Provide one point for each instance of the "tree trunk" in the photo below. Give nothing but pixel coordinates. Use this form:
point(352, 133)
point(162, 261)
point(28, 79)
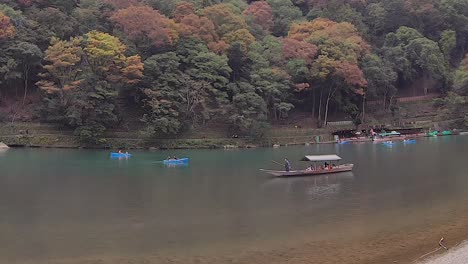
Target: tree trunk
point(26, 71)
point(391, 101)
point(363, 109)
point(320, 107)
point(330, 95)
point(326, 109)
point(385, 101)
point(313, 103)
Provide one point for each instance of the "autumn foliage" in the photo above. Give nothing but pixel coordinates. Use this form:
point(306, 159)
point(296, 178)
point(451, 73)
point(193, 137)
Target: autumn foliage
point(261, 13)
point(182, 10)
point(143, 22)
point(197, 27)
point(295, 49)
point(7, 30)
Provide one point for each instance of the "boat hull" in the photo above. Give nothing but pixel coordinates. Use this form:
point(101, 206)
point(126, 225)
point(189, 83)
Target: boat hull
point(120, 155)
point(301, 173)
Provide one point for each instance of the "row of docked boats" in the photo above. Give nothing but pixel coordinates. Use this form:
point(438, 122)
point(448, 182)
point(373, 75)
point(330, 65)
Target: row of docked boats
point(395, 136)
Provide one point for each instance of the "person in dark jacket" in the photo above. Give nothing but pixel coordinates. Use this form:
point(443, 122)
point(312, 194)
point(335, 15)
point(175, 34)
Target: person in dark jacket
point(287, 165)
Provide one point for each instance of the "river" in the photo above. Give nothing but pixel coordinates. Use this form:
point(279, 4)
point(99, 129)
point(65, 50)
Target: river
point(80, 206)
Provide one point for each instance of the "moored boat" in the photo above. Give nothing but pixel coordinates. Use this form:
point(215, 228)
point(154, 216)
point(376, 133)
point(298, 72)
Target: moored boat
point(314, 170)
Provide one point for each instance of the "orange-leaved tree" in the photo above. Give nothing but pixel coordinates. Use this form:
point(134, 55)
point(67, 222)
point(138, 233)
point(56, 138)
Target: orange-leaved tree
point(145, 25)
point(7, 30)
point(63, 68)
point(261, 13)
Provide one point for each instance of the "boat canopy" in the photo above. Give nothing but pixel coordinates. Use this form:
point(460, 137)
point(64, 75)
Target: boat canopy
point(321, 158)
point(393, 133)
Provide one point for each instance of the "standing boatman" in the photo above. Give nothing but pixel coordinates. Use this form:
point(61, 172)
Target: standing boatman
point(287, 165)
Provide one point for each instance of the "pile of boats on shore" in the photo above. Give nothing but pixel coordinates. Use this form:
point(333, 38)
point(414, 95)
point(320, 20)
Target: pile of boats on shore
point(388, 138)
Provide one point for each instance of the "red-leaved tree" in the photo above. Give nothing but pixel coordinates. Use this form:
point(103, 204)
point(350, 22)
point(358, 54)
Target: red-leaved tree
point(142, 23)
point(261, 13)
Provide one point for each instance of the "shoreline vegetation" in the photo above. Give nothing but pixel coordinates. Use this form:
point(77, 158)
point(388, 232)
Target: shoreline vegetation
point(300, 130)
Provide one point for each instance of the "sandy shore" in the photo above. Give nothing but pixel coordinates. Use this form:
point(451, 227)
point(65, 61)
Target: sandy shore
point(406, 246)
point(458, 255)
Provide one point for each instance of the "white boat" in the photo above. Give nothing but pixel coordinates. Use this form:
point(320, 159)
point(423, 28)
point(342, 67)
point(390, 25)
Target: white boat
point(314, 170)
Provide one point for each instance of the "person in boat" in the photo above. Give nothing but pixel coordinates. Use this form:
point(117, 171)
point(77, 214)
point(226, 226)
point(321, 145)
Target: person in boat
point(287, 165)
point(120, 151)
point(174, 158)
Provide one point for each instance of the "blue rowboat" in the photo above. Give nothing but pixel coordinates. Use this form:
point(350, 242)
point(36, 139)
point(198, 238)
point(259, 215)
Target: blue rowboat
point(388, 143)
point(120, 155)
point(176, 161)
point(409, 141)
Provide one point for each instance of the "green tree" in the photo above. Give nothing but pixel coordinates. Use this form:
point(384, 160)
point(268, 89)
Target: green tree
point(162, 75)
point(381, 79)
point(249, 112)
point(27, 57)
point(51, 22)
point(447, 43)
point(284, 13)
point(414, 56)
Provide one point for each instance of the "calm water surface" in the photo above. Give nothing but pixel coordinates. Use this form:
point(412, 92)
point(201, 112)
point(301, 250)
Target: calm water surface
point(65, 204)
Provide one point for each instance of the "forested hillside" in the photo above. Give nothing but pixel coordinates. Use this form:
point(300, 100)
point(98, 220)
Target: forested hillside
point(179, 65)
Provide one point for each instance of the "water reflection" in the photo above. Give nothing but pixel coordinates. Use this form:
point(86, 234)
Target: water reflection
point(314, 188)
point(181, 165)
point(3, 152)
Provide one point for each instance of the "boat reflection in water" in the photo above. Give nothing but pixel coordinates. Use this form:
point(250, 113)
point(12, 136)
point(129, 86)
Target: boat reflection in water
point(176, 165)
point(317, 187)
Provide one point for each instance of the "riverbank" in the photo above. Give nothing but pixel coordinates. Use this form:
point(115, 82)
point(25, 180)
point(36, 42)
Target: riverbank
point(45, 135)
point(300, 129)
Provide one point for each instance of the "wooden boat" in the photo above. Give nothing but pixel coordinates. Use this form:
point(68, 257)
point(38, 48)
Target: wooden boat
point(311, 171)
